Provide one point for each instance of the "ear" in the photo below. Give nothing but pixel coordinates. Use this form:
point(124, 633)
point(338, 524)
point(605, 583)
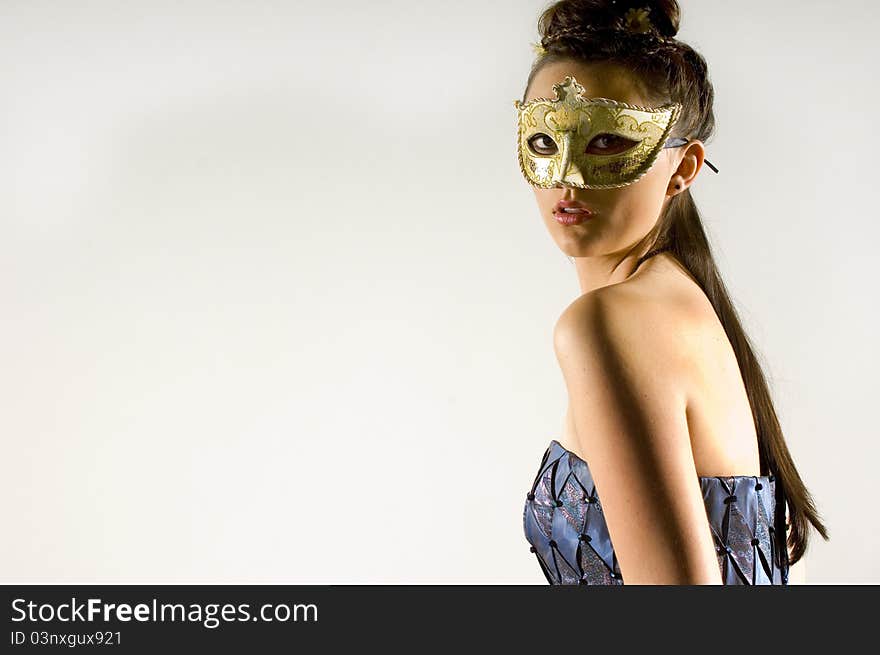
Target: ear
point(692, 155)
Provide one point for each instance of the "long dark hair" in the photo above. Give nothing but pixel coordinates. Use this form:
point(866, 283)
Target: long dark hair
point(672, 71)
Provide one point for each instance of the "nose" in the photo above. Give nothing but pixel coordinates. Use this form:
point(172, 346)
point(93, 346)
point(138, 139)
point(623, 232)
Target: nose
point(561, 171)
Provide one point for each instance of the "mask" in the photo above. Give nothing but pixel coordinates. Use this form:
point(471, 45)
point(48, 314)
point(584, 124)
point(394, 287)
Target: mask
point(554, 139)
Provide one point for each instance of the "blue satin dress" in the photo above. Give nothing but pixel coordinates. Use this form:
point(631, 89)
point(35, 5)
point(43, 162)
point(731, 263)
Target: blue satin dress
point(564, 523)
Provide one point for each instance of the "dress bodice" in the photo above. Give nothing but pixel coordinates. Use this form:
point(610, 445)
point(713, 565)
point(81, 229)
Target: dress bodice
point(565, 525)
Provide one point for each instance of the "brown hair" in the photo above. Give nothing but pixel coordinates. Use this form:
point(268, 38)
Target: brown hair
point(672, 71)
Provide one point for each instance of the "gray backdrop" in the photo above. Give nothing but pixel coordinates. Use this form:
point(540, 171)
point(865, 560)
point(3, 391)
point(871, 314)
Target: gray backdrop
point(278, 306)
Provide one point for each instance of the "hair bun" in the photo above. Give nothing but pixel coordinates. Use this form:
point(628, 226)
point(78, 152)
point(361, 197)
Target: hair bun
point(664, 15)
point(660, 17)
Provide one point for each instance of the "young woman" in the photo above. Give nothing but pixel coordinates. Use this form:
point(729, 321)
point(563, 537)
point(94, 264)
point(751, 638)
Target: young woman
point(689, 477)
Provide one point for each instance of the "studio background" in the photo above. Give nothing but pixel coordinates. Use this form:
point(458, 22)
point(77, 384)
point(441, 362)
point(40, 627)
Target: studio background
point(278, 305)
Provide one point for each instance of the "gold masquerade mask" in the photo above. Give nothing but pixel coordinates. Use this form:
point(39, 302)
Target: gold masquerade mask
point(561, 140)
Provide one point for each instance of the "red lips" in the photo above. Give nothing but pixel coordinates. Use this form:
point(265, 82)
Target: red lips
point(571, 217)
point(570, 204)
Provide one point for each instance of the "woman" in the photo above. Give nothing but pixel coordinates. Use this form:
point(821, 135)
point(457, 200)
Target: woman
point(667, 401)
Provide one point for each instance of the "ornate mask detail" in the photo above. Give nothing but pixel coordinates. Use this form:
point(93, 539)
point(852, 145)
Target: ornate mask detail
point(559, 140)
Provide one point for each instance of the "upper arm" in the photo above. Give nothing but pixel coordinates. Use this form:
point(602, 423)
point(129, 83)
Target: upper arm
point(622, 368)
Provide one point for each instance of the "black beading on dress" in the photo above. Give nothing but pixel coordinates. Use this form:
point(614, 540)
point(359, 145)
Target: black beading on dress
point(564, 523)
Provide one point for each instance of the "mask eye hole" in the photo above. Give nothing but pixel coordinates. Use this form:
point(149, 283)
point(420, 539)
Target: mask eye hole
point(542, 145)
point(609, 144)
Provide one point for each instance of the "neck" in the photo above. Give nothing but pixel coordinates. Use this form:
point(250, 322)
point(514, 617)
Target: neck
point(596, 272)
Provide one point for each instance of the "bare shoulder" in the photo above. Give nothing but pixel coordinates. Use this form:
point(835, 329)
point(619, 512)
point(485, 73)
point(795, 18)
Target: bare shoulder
point(638, 321)
point(622, 349)
point(625, 355)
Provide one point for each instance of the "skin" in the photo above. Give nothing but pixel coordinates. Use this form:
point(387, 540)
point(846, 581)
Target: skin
point(623, 215)
point(655, 393)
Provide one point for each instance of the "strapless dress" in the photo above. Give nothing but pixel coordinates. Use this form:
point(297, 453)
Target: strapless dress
point(565, 525)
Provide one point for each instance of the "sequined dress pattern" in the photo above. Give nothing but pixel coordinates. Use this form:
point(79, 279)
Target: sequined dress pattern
point(564, 523)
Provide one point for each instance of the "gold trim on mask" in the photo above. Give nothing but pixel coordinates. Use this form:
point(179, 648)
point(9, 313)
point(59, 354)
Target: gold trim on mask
point(573, 121)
